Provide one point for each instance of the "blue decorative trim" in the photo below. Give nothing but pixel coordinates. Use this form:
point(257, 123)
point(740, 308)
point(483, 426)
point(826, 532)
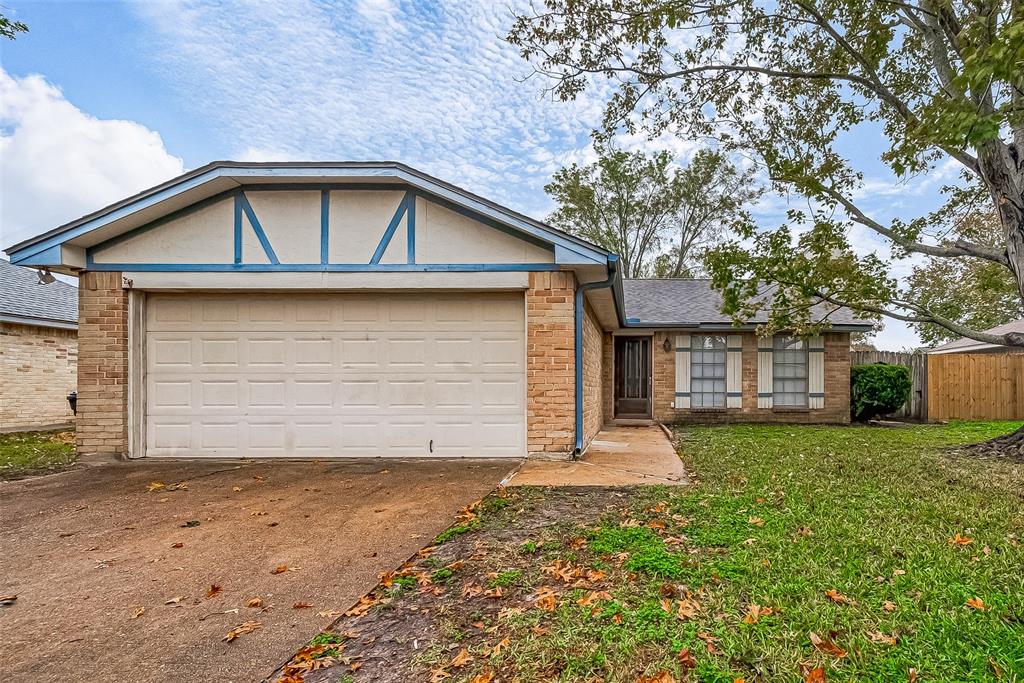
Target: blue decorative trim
point(325, 224)
point(816, 350)
point(682, 394)
point(738, 349)
point(46, 257)
point(258, 229)
point(410, 228)
point(323, 267)
point(238, 227)
point(632, 320)
point(385, 239)
point(765, 350)
point(734, 394)
point(816, 394)
point(764, 394)
point(682, 349)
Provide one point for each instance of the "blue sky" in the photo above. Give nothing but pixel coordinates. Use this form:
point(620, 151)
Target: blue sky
point(103, 99)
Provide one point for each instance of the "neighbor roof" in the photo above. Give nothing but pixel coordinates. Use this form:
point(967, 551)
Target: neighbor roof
point(693, 303)
point(963, 344)
point(24, 300)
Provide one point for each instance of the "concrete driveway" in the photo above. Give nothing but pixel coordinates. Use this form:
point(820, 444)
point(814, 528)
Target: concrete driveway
point(86, 551)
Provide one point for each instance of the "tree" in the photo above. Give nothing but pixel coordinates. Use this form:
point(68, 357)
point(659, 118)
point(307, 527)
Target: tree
point(9, 29)
point(636, 204)
point(975, 293)
point(714, 194)
point(788, 82)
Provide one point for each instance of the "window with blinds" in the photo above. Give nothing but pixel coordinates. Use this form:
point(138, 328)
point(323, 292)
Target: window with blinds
point(789, 372)
point(707, 371)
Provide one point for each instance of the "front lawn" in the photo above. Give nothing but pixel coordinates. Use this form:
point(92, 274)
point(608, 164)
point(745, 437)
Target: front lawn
point(26, 453)
point(802, 553)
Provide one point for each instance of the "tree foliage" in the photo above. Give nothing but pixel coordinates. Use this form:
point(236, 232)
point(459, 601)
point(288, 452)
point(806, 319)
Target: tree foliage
point(975, 293)
point(9, 29)
point(788, 83)
point(658, 218)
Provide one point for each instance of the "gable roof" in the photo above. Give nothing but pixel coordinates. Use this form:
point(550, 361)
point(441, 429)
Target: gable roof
point(222, 176)
point(24, 300)
point(966, 345)
point(694, 303)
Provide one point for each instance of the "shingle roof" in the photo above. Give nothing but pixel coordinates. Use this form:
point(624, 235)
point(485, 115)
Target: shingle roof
point(681, 302)
point(21, 295)
point(965, 344)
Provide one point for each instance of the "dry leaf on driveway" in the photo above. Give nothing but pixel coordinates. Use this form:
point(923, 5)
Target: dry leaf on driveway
point(138, 612)
point(282, 568)
point(254, 602)
point(213, 590)
point(302, 605)
point(244, 627)
point(6, 600)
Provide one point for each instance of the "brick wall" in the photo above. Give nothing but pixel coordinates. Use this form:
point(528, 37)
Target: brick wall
point(550, 405)
point(593, 375)
point(102, 364)
point(37, 365)
point(837, 387)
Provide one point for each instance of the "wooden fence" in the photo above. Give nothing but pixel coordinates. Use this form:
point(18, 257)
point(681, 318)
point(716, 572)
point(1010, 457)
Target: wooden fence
point(957, 386)
point(976, 386)
point(916, 407)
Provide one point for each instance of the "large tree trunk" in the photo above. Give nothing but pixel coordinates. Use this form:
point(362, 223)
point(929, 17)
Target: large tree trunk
point(1008, 447)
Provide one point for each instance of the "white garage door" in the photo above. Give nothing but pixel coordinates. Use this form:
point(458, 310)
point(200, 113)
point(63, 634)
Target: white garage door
point(335, 375)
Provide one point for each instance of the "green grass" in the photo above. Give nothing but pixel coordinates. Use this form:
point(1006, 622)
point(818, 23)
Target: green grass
point(27, 453)
point(781, 515)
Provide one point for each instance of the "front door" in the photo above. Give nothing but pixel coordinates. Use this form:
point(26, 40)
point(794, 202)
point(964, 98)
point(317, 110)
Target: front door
point(633, 377)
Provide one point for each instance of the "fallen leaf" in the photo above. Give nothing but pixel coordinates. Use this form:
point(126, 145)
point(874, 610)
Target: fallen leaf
point(837, 597)
point(546, 599)
point(496, 648)
point(155, 486)
point(485, 677)
point(756, 521)
point(538, 630)
point(826, 646)
point(213, 590)
point(889, 606)
point(594, 596)
point(190, 524)
point(912, 675)
point(236, 489)
point(330, 614)
point(686, 660)
point(661, 677)
point(6, 600)
point(977, 603)
point(177, 545)
point(816, 675)
point(755, 612)
point(138, 612)
point(686, 609)
point(957, 539)
point(302, 605)
point(881, 638)
point(245, 627)
point(254, 602)
point(709, 641)
point(460, 660)
point(175, 600)
point(282, 568)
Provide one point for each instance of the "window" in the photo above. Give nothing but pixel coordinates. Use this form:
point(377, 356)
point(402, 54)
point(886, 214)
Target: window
point(789, 372)
point(707, 372)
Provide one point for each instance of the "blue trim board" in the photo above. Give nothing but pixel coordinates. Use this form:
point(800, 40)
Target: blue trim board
point(764, 394)
point(322, 267)
point(258, 229)
point(734, 394)
point(816, 394)
point(237, 228)
point(385, 239)
point(821, 350)
point(325, 225)
point(682, 394)
point(410, 227)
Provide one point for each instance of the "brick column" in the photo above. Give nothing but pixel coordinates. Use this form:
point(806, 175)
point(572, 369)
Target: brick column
point(550, 396)
point(102, 364)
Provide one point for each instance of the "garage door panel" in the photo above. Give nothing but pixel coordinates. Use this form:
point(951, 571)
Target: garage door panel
point(263, 375)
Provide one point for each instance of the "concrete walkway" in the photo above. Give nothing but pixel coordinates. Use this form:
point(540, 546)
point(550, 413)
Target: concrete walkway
point(618, 456)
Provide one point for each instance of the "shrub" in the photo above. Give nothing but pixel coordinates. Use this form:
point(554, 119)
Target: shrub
point(878, 389)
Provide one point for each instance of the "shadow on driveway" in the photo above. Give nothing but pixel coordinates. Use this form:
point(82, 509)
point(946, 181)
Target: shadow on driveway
point(85, 550)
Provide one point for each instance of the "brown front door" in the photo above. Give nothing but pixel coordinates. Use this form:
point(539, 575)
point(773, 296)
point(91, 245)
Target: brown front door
point(633, 377)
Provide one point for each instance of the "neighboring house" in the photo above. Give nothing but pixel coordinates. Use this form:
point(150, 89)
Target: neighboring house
point(368, 309)
point(38, 350)
point(965, 345)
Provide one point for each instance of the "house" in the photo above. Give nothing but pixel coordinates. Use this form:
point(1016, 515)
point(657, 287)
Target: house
point(965, 345)
point(368, 309)
point(38, 350)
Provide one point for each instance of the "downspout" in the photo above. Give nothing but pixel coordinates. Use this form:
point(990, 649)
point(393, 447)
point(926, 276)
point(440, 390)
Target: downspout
point(613, 267)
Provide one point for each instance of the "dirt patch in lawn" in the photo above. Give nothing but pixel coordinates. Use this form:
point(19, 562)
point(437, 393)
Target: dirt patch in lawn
point(454, 595)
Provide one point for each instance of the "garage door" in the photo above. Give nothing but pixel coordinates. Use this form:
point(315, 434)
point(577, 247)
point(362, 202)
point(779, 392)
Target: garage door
point(309, 375)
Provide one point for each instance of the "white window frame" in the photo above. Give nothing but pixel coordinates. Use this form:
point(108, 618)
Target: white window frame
point(703, 372)
point(786, 370)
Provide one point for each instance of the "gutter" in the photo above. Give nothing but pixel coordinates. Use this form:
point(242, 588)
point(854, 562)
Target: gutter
point(578, 314)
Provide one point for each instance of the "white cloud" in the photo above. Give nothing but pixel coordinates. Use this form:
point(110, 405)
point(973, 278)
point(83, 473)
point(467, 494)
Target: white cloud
point(58, 163)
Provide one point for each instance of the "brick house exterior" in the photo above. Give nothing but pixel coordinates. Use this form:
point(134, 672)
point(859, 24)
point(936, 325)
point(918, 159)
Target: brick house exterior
point(38, 350)
point(265, 321)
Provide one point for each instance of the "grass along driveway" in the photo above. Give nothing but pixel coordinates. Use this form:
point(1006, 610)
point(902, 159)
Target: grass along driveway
point(803, 553)
point(26, 453)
